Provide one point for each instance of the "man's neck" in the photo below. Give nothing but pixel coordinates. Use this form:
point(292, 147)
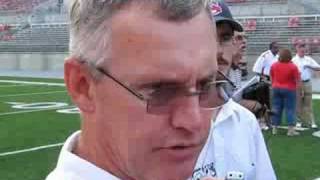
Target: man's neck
point(88, 149)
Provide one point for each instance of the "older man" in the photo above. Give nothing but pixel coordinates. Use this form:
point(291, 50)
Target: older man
point(241, 42)
point(146, 94)
point(306, 65)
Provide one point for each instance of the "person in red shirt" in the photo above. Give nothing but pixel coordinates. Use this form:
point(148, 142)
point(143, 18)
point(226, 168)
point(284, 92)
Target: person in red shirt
point(285, 80)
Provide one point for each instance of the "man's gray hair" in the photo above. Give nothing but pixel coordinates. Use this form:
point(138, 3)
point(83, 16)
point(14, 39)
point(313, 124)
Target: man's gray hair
point(89, 39)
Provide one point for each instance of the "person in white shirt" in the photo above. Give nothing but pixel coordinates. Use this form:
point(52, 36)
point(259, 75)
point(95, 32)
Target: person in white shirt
point(305, 65)
point(265, 60)
point(231, 51)
point(143, 75)
point(240, 39)
point(235, 143)
point(262, 68)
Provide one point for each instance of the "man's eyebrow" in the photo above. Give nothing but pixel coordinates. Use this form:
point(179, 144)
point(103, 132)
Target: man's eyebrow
point(159, 81)
point(172, 82)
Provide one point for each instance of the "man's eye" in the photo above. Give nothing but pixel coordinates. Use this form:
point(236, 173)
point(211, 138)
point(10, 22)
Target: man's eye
point(239, 38)
point(226, 38)
point(156, 88)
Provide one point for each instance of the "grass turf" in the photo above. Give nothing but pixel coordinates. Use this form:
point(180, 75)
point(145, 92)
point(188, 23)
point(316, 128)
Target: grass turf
point(294, 158)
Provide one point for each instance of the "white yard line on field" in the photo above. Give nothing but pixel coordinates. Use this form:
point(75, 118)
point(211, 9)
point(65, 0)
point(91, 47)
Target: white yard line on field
point(27, 94)
point(297, 128)
point(30, 149)
point(16, 85)
point(315, 96)
point(36, 110)
point(33, 83)
point(316, 134)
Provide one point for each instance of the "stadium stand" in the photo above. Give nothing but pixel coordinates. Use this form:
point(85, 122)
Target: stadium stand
point(38, 38)
point(248, 2)
point(281, 29)
point(39, 26)
point(19, 6)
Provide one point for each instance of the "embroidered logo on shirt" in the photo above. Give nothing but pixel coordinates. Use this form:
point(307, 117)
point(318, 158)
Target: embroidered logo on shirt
point(205, 171)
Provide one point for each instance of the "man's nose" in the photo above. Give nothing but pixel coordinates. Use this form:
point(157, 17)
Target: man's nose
point(186, 114)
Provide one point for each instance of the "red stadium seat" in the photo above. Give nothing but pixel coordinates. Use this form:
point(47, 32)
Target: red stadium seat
point(293, 22)
point(315, 41)
point(7, 37)
point(302, 41)
point(250, 25)
point(294, 40)
point(299, 40)
point(4, 27)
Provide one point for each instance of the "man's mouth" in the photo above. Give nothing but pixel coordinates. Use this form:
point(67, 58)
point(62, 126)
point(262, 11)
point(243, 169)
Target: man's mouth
point(181, 152)
point(181, 147)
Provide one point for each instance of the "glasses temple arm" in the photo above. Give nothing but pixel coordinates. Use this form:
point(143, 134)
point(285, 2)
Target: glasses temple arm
point(138, 95)
point(229, 80)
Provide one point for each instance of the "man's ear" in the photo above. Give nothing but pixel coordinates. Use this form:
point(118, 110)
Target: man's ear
point(78, 81)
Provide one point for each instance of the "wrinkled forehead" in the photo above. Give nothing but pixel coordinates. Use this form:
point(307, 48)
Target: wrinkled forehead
point(146, 48)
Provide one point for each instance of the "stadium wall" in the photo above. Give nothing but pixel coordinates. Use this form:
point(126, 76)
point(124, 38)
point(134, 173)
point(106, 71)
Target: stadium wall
point(33, 62)
point(265, 8)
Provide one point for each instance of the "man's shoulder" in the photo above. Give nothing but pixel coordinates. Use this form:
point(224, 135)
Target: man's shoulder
point(308, 58)
point(265, 54)
point(277, 63)
point(242, 114)
point(294, 58)
point(63, 175)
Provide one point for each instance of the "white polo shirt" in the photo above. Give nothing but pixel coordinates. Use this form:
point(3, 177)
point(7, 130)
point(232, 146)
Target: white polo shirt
point(265, 61)
point(301, 62)
point(72, 167)
point(235, 143)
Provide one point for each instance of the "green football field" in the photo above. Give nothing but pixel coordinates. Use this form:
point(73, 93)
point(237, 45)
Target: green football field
point(36, 116)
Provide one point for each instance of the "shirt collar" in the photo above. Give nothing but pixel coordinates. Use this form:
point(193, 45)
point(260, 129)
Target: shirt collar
point(69, 162)
point(225, 112)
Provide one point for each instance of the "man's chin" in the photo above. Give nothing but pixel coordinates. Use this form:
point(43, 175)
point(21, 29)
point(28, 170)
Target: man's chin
point(175, 171)
point(174, 175)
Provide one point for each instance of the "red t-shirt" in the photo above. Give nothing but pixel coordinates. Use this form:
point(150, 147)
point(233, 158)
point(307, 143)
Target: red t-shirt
point(284, 75)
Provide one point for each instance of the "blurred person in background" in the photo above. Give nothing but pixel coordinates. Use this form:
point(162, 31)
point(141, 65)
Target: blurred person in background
point(230, 54)
point(238, 72)
point(235, 143)
point(306, 65)
point(264, 62)
point(231, 59)
point(262, 68)
point(285, 79)
point(240, 39)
